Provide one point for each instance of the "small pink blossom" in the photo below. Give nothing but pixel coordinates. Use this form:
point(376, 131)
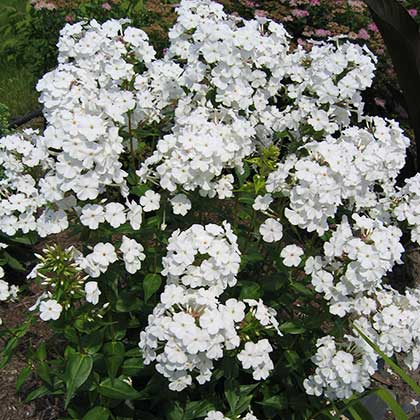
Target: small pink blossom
point(413, 12)
point(314, 2)
point(372, 27)
point(69, 19)
point(380, 102)
point(363, 34)
point(322, 32)
point(106, 6)
point(299, 13)
point(249, 3)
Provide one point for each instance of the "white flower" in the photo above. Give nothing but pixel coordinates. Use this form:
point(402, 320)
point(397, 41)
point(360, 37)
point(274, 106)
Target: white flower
point(215, 415)
point(4, 290)
point(180, 204)
point(92, 215)
point(271, 230)
point(262, 202)
point(255, 356)
point(133, 254)
point(50, 309)
point(291, 255)
point(92, 292)
point(134, 215)
point(104, 254)
point(150, 201)
point(115, 214)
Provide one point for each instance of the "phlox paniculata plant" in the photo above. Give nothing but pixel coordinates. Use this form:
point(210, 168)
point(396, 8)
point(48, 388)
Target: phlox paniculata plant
point(233, 215)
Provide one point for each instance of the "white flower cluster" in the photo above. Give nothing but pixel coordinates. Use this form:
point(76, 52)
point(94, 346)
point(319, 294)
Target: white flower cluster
point(408, 207)
point(340, 170)
point(395, 325)
point(190, 328)
point(342, 369)
point(203, 256)
point(356, 260)
point(22, 157)
point(85, 103)
point(195, 328)
point(7, 291)
point(218, 415)
point(202, 144)
point(104, 254)
point(256, 356)
point(132, 254)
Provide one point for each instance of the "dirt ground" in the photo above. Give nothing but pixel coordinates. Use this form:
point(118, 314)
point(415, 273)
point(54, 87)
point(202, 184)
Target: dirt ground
point(12, 406)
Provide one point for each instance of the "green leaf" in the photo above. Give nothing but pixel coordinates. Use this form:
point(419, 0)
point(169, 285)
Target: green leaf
point(97, 413)
point(37, 393)
point(174, 411)
point(43, 371)
point(195, 409)
point(14, 263)
point(117, 389)
point(409, 381)
point(292, 328)
point(114, 356)
point(23, 375)
point(232, 393)
point(132, 366)
point(78, 368)
point(250, 290)
point(151, 284)
point(278, 402)
point(387, 397)
point(243, 404)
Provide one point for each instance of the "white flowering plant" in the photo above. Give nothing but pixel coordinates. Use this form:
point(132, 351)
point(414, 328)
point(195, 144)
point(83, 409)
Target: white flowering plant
point(233, 214)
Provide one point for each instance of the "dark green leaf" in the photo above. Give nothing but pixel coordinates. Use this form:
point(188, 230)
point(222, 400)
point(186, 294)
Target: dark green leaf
point(23, 375)
point(151, 284)
point(97, 413)
point(37, 393)
point(114, 356)
point(250, 290)
point(132, 366)
point(292, 328)
point(78, 368)
point(195, 409)
point(278, 402)
point(117, 389)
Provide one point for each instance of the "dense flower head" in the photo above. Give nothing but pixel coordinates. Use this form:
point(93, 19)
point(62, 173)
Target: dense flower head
point(203, 256)
point(340, 373)
point(356, 258)
point(194, 329)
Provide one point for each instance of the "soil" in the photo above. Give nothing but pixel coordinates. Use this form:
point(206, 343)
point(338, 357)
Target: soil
point(12, 406)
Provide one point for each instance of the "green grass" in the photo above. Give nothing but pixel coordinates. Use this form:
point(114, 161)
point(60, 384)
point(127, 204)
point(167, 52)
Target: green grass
point(17, 90)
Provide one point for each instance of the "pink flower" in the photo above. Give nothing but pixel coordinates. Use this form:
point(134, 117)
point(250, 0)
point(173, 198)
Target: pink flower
point(299, 13)
point(322, 32)
point(363, 34)
point(314, 2)
point(413, 12)
point(69, 19)
point(372, 27)
point(106, 6)
point(380, 102)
